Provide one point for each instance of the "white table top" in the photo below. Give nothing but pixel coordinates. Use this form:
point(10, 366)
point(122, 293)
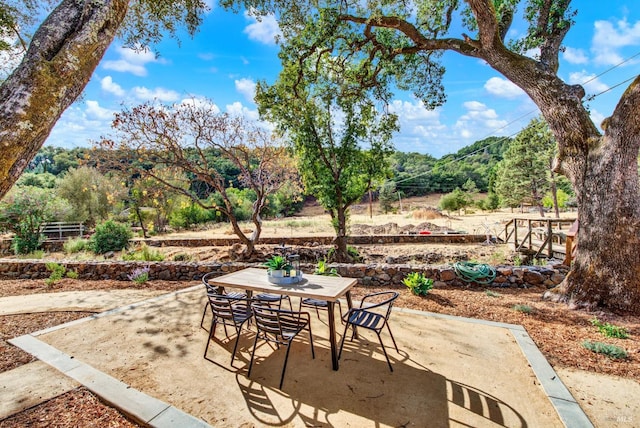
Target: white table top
point(321, 287)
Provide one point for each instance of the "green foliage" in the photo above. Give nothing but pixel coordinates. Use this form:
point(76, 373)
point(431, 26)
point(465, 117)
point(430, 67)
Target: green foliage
point(37, 255)
point(190, 215)
point(90, 194)
point(139, 275)
point(23, 211)
point(57, 273)
point(44, 180)
point(144, 253)
point(610, 330)
point(323, 269)
point(110, 236)
point(492, 293)
point(525, 309)
point(523, 175)
point(456, 200)
point(72, 274)
point(340, 136)
point(611, 351)
point(278, 262)
point(183, 257)
point(490, 203)
point(353, 253)
point(418, 283)
point(76, 245)
point(562, 197)
point(388, 195)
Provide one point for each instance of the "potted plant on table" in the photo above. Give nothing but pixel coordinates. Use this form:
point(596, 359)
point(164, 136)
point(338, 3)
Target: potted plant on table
point(278, 266)
point(282, 270)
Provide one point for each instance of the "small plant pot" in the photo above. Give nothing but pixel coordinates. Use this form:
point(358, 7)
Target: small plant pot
point(281, 277)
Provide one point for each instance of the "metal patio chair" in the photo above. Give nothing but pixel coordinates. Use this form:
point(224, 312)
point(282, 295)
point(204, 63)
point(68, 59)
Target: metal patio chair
point(215, 289)
point(229, 311)
point(280, 327)
point(372, 317)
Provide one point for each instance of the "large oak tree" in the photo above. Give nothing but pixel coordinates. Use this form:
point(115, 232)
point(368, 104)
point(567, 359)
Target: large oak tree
point(401, 42)
point(61, 57)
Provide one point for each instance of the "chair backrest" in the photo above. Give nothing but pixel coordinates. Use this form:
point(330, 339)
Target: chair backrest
point(278, 321)
point(380, 302)
point(213, 289)
point(227, 308)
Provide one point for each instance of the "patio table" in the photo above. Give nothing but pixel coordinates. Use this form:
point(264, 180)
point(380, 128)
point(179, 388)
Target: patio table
point(329, 288)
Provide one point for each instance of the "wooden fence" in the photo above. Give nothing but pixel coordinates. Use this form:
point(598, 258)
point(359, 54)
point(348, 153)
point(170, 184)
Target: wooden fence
point(543, 237)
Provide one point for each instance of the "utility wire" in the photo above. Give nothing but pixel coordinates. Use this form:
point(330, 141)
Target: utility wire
point(590, 98)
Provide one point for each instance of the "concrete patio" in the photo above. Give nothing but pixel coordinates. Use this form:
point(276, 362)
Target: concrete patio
point(147, 359)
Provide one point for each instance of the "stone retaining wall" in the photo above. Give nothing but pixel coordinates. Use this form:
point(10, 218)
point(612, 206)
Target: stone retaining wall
point(367, 274)
point(443, 238)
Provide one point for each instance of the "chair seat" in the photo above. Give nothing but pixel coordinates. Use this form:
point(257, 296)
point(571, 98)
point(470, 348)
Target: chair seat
point(267, 297)
point(314, 302)
point(366, 319)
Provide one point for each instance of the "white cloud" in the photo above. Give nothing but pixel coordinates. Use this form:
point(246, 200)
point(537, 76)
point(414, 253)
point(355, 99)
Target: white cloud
point(80, 125)
point(610, 37)
point(94, 111)
point(199, 101)
point(146, 94)
point(108, 85)
point(593, 85)
point(10, 58)
point(503, 88)
point(575, 56)
point(131, 61)
point(265, 30)
point(478, 122)
point(237, 109)
point(247, 88)
point(597, 117)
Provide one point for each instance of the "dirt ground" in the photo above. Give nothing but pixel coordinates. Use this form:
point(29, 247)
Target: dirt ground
point(556, 330)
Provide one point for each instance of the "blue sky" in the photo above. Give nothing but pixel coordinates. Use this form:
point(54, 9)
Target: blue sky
point(232, 51)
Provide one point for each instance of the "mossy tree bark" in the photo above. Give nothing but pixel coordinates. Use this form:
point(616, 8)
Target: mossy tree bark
point(64, 52)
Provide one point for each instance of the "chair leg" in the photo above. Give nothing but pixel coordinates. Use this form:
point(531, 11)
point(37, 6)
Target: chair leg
point(313, 353)
point(212, 332)
point(204, 313)
point(253, 353)
point(392, 338)
point(284, 367)
point(346, 327)
point(385, 351)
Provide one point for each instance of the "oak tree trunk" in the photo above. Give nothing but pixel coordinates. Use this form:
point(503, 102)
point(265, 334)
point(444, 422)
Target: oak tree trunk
point(64, 52)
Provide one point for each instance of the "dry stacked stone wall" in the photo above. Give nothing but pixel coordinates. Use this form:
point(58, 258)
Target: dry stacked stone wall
point(384, 275)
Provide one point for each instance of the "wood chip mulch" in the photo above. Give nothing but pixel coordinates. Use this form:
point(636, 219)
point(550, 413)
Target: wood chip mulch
point(558, 332)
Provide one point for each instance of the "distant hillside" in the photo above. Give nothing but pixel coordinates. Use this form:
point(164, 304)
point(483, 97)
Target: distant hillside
point(418, 174)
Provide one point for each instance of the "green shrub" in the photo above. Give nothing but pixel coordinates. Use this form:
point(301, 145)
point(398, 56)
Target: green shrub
point(525, 309)
point(76, 245)
point(140, 275)
point(418, 283)
point(57, 273)
point(492, 293)
point(72, 274)
point(183, 257)
point(27, 243)
point(610, 330)
point(145, 254)
point(322, 269)
point(37, 254)
point(110, 236)
point(611, 351)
